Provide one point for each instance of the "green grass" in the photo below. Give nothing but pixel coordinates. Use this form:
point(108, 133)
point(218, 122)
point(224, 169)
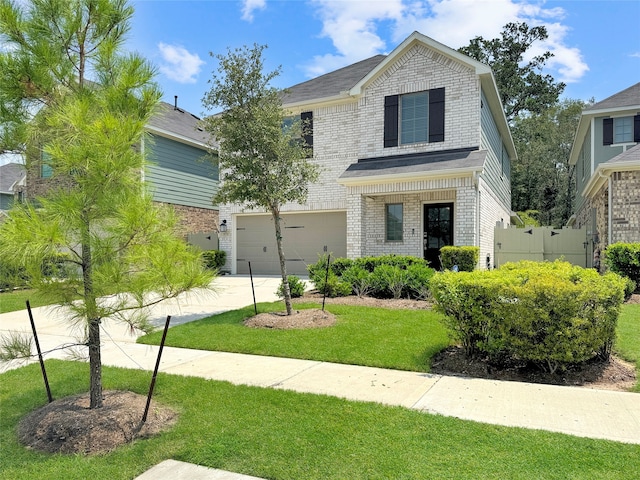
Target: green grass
point(377, 337)
point(285, 435)
point(14, 301)
point(628, 337)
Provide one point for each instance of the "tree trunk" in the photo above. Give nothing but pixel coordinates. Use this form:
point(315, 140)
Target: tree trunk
point(93, 320)
point(275, 212)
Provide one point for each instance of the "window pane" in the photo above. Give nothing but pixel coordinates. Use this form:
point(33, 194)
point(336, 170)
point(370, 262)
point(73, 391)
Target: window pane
point(46, 171)
point(414, 117)
point(622, 129)
point(394, 222)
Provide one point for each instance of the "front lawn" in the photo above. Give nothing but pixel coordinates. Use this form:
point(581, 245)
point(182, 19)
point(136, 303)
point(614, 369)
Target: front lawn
point(285, 435)
point(628, 337)
point(376, 337)
point(14, 301)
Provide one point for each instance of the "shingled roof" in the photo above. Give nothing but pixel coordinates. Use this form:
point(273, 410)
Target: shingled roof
point(331, 84)
point(171, 120)
point(9, 175)
point(629, 97)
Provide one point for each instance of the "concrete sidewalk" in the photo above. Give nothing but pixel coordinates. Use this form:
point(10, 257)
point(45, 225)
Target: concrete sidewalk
point(576, 411)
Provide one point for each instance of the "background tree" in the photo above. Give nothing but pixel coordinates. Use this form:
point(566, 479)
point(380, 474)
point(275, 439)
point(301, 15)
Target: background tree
point(263, 163)
point(522, 88)
point(541, 177)
point(68, 92)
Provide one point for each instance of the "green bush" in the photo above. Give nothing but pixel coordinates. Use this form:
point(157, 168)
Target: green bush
point(12, 276)
point(388, 281)
point(398, 276)
point(418, 278)
point(624, 259)
point(466, 258)
point(361, 281)
point(214, 259)
point(552, 314)
point(333, 286)
point(296, 287)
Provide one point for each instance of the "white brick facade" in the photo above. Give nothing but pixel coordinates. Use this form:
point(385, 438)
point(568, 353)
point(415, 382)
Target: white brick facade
point(351, 128)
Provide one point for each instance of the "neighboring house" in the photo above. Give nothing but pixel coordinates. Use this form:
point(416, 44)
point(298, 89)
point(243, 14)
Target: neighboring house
point(12, 176)
point(606, 156)
point(180, 172)
point(415, 152)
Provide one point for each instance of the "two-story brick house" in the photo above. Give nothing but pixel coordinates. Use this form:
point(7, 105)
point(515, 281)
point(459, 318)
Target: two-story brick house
point(179, 172)
point(415, 152)
point(606, 158)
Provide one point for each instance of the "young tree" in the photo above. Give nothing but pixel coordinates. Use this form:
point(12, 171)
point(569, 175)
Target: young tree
point(522, 88)
point(264, 164)
point(71, 95)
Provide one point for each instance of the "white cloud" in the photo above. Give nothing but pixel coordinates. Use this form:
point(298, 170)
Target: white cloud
point(179, 64)
point(249, 6)
point(356, 28)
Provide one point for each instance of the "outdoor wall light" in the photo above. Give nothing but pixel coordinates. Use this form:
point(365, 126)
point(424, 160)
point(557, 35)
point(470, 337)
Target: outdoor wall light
point(223, 226)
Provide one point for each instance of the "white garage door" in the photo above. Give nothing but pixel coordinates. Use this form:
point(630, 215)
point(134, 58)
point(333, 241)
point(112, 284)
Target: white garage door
point(305, 236)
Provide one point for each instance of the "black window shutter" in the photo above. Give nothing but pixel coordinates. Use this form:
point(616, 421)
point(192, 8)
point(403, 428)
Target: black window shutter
point(636, 129)
point(607, 131)
point(436, 115)
point(307, 129)
point(391, 121)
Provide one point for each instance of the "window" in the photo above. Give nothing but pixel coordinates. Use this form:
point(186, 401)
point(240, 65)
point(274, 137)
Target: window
point(413, 118)
point(393, 222)
point(621, 130)
point(306, 125)
point(46, 170)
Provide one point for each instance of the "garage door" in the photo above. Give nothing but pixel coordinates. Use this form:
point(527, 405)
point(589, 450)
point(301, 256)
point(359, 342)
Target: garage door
point(305, 236)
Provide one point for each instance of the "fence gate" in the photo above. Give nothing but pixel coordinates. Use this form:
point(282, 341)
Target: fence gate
point(541, 243)
point(204, 240)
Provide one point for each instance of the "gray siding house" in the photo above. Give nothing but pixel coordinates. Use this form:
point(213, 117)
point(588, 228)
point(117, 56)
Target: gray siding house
point(12, 177)
point(180, 173)
point(415, 153)
point(606, 157)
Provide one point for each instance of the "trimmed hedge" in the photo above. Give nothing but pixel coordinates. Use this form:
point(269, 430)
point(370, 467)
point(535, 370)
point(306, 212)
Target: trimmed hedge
point(552, 314)
point(466, 258)
point(386, 276)
point(624, 259)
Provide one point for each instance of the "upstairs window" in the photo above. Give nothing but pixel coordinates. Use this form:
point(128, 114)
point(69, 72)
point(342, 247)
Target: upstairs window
point(621, 130)
point(414, 118)
point(306, 125)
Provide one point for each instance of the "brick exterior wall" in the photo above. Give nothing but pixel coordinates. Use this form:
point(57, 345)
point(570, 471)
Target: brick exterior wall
point(195, 220)
point(353, 129)
point(626, 207)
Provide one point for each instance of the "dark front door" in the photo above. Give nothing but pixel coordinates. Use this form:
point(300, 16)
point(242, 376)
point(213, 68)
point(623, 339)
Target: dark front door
point(438, 231)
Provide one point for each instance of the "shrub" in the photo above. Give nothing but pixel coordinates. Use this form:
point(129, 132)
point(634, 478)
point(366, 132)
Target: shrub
point(214, 259)
point(553, 314)
point(296, 287)
point(388, 281)
point(417, 281)
point(466, 258)
point(333, 286)
point(360, 280)
point(624, 259)
point(12, 276)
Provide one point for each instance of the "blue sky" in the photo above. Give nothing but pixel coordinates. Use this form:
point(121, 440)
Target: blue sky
point(596, 43)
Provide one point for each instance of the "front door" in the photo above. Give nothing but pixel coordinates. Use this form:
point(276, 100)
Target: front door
point(438, 231)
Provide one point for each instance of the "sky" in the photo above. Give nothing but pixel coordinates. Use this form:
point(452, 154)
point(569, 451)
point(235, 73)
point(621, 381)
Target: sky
point(596, 43)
